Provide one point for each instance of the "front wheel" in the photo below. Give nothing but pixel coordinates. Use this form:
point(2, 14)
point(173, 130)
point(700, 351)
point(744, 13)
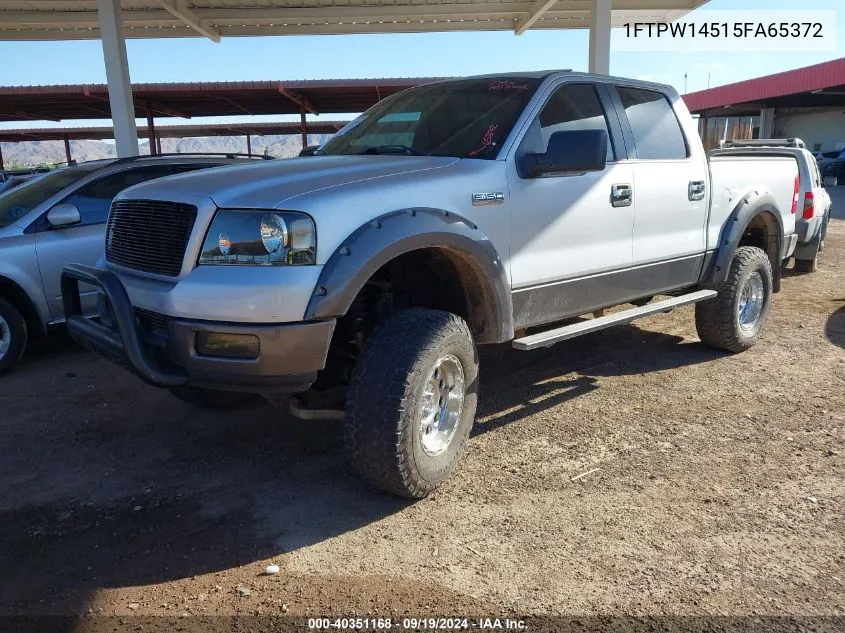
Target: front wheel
point(411, 402)
point(12, 336)
point(734, 320)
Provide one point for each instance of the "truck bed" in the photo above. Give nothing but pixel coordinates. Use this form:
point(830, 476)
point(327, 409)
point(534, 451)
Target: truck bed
point(732, 177)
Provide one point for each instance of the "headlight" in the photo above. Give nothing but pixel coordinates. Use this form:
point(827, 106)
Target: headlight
point(260, 238)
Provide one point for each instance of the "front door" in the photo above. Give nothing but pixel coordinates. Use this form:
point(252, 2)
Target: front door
point(83, 243)
point(569, 234)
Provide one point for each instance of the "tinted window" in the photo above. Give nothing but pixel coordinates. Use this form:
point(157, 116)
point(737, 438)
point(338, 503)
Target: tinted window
point(657, 133)
point(17, 203)
point(467, 118)
point(573, 107)
point(94, 199)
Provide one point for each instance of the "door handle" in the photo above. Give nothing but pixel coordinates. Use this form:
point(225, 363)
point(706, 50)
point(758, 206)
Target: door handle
point(621, 195)
point(696, 190)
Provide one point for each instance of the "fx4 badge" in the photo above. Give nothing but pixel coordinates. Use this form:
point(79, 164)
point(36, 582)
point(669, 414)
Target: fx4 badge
point(481, 199)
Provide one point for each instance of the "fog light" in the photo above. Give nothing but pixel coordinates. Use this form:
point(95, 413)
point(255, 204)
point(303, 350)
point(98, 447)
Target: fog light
point(227, 345)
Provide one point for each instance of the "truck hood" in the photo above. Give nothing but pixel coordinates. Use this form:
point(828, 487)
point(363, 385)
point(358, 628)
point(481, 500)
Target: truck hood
point(269, 184)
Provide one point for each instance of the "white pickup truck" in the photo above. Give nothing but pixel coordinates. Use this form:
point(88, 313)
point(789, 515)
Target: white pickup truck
point(465, 212)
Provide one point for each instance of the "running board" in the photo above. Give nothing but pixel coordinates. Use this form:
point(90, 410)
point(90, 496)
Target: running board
point(550, 337)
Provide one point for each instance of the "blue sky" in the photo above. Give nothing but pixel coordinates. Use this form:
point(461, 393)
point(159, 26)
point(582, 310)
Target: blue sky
point(405, 55)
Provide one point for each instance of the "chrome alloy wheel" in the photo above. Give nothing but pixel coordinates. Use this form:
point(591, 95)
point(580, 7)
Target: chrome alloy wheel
point(751, 300)
point(5, 337)
point(442, 405)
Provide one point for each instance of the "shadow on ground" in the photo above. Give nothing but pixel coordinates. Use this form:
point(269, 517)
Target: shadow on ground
point(106, 482)
point(835, 327)
point(510, 378)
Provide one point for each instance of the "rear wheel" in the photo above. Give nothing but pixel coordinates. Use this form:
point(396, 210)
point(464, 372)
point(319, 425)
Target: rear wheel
point(411, 402)
point(212, 398)
point(13, 336)
point(734, 320)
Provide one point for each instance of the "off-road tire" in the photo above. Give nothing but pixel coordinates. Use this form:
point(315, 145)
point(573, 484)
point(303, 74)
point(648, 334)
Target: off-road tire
point(717, 320)
point(17, 335)
point(383, 405)
point(211, 398)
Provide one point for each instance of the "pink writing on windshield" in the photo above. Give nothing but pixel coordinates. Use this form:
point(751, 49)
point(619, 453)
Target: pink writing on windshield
point(507, 85)
point(487, 141)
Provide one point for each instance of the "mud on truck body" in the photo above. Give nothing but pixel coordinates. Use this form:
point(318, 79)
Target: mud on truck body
point(461, 213)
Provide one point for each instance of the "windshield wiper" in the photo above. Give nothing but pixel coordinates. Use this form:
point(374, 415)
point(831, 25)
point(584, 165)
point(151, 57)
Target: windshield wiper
point(391, 149)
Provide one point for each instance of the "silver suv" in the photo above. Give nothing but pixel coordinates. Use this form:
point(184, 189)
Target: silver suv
point(59, 218)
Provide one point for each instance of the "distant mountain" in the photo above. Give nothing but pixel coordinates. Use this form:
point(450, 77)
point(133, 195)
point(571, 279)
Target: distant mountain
point(29, 153)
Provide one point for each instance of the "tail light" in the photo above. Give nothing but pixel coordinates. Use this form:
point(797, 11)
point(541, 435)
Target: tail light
point(809, 205)
point(796, 190)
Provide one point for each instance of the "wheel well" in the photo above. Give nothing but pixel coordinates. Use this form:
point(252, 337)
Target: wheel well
point(764, 232)
point(440, 278)
point(14, 294)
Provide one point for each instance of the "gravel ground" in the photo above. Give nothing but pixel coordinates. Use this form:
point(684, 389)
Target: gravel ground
point(715, 487)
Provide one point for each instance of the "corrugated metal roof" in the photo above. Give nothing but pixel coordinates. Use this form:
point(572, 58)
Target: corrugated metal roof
point(187, 100)
point(170, 131)
point(214, 19)
point(791, 82)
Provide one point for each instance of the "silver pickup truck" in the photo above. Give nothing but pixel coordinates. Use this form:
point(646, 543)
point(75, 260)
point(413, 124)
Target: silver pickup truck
point(465, 212)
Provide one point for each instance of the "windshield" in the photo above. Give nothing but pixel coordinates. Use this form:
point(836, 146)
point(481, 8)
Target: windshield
point(469, 118)
point(16, 203)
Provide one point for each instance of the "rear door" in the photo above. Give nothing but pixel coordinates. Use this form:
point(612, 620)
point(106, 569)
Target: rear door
point(670, 186)
point(82, 243)
point(566, 230)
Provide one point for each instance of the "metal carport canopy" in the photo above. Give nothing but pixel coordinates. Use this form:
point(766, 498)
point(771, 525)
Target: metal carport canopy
point(170, 131)
point(65, 20)
point(202, 99)
point(114, 20)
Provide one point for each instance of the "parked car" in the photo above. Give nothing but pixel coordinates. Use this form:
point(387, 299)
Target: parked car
point(835, 168)
point(451, 215)
point(811, 203)
point(58, 218)
point(5, 174)
point(825, 158)
point(13, 181)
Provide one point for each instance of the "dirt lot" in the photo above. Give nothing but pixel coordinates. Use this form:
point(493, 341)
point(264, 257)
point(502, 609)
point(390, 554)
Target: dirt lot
point(720, 487)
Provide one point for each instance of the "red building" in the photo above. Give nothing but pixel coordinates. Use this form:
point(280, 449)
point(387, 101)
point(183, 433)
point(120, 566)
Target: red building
point(808, 103)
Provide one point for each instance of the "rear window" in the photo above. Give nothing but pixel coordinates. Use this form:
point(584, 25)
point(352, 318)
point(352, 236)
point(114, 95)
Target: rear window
point(657, 133)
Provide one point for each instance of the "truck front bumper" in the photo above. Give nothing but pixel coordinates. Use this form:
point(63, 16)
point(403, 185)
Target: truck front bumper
point(163, 351)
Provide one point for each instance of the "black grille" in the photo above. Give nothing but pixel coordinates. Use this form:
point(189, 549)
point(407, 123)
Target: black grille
point(149, 235)
point(150, 320)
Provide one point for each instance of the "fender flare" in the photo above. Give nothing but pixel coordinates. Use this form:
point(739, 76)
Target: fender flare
point(749, 207)
point(374, 244)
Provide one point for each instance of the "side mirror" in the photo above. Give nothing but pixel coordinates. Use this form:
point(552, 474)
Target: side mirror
point(830, 181)
point(63, 215)
point(572, 151)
